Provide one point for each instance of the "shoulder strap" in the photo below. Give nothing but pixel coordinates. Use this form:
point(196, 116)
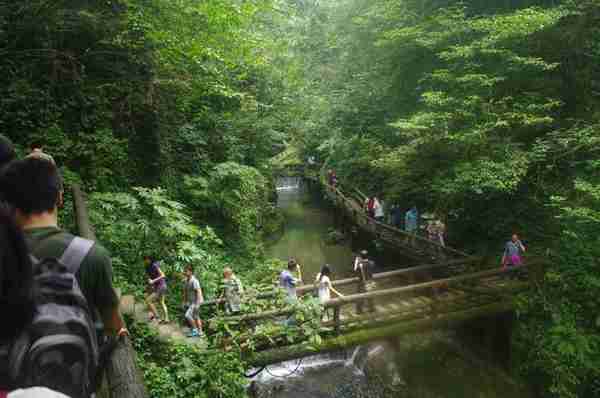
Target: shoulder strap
point(75, 253)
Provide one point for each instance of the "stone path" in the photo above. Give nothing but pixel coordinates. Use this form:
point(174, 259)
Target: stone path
point(171, 331)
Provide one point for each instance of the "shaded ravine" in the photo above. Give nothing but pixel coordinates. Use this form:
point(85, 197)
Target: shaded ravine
point(420, 366)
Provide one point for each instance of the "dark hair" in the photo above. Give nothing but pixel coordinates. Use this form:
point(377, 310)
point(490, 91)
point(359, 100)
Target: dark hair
point(7, 150)
point(36, 145)
point(189, 267)
point(16, 278)
point(325, 271)
point(31, 185)
point(292, 264)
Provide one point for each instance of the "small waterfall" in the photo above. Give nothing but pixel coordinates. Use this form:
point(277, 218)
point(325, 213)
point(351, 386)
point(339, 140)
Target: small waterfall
point(288, 183)
point(361, 355)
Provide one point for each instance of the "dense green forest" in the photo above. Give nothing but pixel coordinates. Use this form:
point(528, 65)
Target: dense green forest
point(169, 112)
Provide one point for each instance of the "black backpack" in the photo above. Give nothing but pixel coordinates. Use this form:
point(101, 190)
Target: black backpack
point(59, 349)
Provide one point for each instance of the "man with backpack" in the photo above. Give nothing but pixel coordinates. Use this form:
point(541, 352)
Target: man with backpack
point(73, 283)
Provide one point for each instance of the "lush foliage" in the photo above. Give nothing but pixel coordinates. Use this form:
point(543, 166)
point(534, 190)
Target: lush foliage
point(484, 111)
point(487, 113)
point(190, 374)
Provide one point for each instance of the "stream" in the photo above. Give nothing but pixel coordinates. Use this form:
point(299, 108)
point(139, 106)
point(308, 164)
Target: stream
point(432, 365)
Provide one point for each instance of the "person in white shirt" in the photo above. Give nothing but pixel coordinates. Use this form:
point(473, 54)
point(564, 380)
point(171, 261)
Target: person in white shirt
point(378, 209)
point(324, 285)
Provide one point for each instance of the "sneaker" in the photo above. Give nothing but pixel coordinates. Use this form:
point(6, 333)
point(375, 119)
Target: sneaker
point(194, 333)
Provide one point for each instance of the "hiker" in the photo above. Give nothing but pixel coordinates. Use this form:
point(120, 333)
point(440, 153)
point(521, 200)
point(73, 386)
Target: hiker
point(16, 303)
point(441, 232)
point(370, 206)
point(34, 188)
point(72, 283)
point(512, 252)
point(157, 284)
point(362, 265)
point(192, 298)
point(378, 212)
point(232, 291)
point(324, 286)
point(37, 151)
point(435, 231)
point(364, 268)
point(16, 298)
point(396, 216)
point(411, 223)
point(332, 178)
point(7, 150)
point(288, 282)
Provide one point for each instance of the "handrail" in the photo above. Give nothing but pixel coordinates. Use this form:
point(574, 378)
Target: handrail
point(421, 286)
point(122, 375)
point(361, 297)
point(352, 206)
point(354, 280)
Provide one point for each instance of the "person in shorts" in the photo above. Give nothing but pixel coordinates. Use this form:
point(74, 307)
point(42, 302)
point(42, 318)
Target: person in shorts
point(192, 298)
point(157, 283)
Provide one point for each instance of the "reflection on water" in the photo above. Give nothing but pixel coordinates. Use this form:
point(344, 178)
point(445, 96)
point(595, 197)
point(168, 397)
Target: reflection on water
point(306, 226)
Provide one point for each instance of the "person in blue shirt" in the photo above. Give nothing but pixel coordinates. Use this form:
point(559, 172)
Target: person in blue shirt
point(288, 281)
point(411, 222)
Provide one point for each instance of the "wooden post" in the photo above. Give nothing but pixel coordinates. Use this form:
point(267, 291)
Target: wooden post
point(122, 375)
point(336, 318)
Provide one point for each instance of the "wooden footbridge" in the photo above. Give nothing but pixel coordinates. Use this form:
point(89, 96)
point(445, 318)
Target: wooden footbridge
point(396, 305)
point(411, 245)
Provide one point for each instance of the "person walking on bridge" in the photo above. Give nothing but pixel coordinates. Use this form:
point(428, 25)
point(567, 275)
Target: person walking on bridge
point(364, 268)
point(325, 287)
point(411, 221)
point(232, 291)
point(512, 252)
point(289, 282)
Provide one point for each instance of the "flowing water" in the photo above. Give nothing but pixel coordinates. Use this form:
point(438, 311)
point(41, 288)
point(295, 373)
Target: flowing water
point(432, 365)
point(306, 228)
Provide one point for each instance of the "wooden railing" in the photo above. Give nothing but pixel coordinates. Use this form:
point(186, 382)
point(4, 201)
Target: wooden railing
point(123, 379)
point(365, 300)
point(418, 245)
point(306, 288)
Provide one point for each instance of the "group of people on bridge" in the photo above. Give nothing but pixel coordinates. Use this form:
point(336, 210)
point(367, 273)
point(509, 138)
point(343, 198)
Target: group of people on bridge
point(434, 228)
